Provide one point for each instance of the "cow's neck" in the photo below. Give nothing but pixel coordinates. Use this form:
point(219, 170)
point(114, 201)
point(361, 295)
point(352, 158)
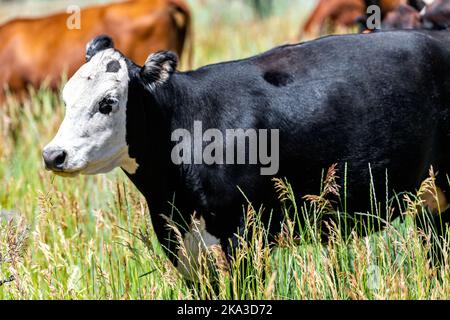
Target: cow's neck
point(148, 138)
point(149, 118)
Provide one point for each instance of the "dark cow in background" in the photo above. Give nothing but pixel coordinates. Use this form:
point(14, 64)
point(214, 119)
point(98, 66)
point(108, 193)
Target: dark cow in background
point(329, 102)
point(403, 17)
point(348, 13)
point(37, 49)
point(437, 15)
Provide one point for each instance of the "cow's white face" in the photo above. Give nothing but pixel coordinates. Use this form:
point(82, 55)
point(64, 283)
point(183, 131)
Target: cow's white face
point(91, 138)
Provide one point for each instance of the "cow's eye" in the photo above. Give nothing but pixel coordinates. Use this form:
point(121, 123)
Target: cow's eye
point(107, 105)
point(105, 108)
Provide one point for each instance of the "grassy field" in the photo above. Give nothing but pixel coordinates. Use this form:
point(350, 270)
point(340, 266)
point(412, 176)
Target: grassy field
point(91, 237)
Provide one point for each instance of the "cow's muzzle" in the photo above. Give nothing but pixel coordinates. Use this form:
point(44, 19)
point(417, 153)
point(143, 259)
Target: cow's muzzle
point(54, 159)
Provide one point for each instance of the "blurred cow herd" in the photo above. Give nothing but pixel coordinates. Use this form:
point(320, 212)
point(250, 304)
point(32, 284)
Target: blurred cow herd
point(394, 14)
point(38, 50)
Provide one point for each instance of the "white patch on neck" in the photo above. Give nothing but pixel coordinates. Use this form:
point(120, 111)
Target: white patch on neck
point(129, 164)
point(196, 241)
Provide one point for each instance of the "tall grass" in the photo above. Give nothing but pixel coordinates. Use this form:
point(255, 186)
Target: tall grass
point(91, 237)
point(392, 264)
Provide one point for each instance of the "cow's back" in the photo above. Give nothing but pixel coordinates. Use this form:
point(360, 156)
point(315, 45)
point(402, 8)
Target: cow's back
point(379, 99)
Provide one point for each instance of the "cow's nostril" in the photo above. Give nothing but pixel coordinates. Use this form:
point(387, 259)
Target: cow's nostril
point(60, 159)
point(54, 159)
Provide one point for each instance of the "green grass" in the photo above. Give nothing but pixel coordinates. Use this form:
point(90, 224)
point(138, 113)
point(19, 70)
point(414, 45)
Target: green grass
point(91, 237)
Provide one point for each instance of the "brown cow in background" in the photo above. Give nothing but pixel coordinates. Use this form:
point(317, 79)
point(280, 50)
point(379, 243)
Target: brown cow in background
point(42, 49)
point(338, 13)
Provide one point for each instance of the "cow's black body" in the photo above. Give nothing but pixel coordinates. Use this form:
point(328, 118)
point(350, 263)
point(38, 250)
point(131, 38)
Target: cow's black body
point(382, 99)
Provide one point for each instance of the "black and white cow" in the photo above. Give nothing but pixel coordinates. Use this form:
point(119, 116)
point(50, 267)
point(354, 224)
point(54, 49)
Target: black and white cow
point(381, 99)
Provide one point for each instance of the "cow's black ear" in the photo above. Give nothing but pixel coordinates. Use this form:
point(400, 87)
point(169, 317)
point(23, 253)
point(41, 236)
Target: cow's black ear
point(97, 44)
point(158, 68)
